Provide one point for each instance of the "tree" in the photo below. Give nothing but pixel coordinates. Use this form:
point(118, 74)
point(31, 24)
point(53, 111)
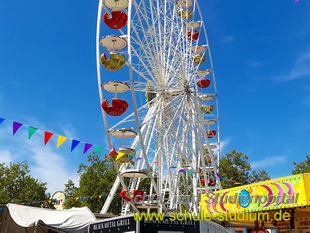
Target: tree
point(17, 186)
point(96, 178)
point(235, 166)
point(302, 167)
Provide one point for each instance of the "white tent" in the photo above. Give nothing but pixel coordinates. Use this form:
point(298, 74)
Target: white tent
point(25, 219)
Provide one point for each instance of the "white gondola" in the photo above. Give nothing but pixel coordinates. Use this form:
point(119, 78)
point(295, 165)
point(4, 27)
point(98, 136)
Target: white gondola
point(123, 133)
point(206, 97)
point(185, 3)
point(209, 122)
point(203, 73)
point(193, 24)
point(113, 42)
point(199, 48)
point(116, 4)
point(134, 173)
point(115, 87)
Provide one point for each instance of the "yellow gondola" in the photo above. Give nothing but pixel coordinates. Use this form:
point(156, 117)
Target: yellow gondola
point(198, 59)
point(185, 15)
point(116, 61)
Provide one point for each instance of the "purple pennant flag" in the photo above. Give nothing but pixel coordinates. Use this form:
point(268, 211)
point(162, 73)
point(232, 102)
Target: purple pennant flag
point(1, 120)
point(16, 126)
point(86, 147)
point(182, 170)
point(74, 144)
point(219, 176)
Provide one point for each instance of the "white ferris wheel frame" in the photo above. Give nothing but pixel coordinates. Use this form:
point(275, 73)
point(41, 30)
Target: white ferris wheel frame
point(146, 126)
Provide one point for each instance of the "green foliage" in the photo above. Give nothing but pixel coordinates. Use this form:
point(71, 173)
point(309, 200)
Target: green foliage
point(302, 167)
point(235, 166)
point(96, 178)
point(17, 186)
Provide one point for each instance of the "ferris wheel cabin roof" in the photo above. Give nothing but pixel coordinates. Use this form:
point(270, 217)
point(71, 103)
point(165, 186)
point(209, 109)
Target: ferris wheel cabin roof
point(113, 42)
point(199, 49)
point(123, 133)
point(134, 173)
point(209, 122)
point(115, 87)
point(193, 24)
point(203, 72)
point(206, 97)
point(185, 3)
point(116, 4)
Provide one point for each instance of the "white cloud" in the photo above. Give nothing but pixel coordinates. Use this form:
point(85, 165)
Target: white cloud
point(51, 167)
point(46, 163)
point(224, 143)
point(69, 131)
point(269, 162)
point(6, 156)
point(300, 69)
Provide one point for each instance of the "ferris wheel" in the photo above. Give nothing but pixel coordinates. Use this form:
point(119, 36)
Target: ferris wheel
point(159, 103)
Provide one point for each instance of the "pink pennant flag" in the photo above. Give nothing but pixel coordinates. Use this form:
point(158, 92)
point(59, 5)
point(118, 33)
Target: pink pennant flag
point(87, 147)
point(16, 126)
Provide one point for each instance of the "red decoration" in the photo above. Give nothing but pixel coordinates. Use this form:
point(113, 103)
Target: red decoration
point(132, 196)
point(47, 136)
point(112, 153)
point(192, 35)
point(118, 107)
point(203, 83)
point(211, 133)
point(117, 20)
point(211, 182)
point(202, 181)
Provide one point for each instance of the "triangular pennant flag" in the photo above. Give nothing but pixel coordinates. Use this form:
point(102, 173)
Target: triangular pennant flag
point(47, 136)
point(1, 120)
point(219, 176)
point(31, 131)
point(16, 126)
point(74, 144)
point(86, 147)
point(98, 149)
point(60, 140)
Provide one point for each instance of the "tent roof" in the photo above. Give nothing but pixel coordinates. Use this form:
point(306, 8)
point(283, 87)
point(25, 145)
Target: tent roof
point(71, 220)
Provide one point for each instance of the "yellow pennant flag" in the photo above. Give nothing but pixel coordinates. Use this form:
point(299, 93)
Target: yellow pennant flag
point(120, 155)
point(61, 140)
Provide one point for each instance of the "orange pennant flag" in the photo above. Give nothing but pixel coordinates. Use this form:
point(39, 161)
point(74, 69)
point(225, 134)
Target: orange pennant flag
point(60, 140)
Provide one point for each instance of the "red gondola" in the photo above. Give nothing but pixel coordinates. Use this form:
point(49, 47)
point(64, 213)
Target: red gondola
point(193, 35)
point(118, 107)
point(211, 133)
point(203, 83)
point(136, 196)
point(117, 20)
point(211, 182)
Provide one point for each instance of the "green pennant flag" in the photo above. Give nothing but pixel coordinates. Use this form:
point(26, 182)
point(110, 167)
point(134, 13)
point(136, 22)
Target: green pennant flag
point(31, 131)
point(98, 149)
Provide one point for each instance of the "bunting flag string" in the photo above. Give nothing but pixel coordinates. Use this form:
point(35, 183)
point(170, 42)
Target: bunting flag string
point(48, 135)
point(212, 177)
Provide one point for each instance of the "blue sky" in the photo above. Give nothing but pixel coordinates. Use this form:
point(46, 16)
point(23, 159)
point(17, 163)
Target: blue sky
point(261, 54)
